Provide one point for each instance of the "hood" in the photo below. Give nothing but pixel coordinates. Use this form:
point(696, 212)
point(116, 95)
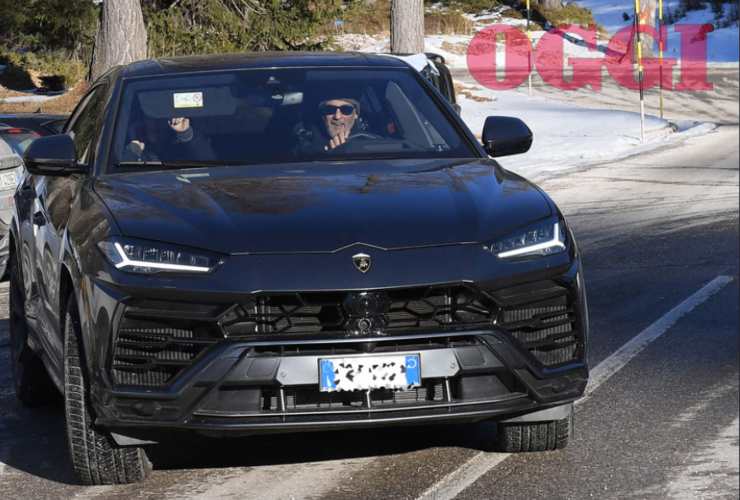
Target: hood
point(323, 207)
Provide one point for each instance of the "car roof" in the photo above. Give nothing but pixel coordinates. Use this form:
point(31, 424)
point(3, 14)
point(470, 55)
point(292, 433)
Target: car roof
point(250, 60)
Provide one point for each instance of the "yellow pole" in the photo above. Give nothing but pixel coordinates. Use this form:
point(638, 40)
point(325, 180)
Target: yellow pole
point(660, 53)
point(640, 70)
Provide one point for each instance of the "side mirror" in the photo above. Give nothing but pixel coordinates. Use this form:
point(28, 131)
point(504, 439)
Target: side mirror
point(505, 135)
point(52, 155)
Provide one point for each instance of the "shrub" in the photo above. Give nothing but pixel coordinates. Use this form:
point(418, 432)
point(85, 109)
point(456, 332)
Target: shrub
point(448, 21)
point(569, 14)
point(468, 6)
point(375, 17)
point(42, 25)
point(368, 18)
point(217, 26)
point(55, 70)
point(513, 13)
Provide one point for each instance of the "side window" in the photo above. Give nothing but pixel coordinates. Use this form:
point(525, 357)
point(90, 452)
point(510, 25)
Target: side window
point(86, 122)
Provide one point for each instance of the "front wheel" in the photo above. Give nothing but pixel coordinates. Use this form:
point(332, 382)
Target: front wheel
point(96, 458)
point(533, 436)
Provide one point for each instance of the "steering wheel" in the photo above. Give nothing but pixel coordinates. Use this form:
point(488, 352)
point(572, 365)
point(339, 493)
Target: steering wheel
point(363, 135)
point(357, 135)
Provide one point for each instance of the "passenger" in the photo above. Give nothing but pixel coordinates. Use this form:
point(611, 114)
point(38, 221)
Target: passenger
point(156, 144)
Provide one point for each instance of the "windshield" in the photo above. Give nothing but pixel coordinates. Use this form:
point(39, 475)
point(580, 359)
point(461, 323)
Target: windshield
point(281, 115)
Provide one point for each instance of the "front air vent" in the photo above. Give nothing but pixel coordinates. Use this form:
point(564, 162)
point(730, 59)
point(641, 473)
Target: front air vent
point(541, 317)
point(152, 355)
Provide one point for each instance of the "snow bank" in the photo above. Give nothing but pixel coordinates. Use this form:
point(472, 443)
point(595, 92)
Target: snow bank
point(567, 136)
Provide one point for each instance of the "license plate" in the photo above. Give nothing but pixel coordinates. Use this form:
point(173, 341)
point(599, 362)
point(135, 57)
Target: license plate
point(7, 180)
point(373, 372)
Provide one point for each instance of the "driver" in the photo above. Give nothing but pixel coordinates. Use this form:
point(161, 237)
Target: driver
point(339, 117)
point(337, 121)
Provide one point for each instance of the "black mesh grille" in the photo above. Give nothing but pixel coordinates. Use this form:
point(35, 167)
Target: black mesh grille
point(158, 340)
point(546, 325)
point(447, 307)
point(152, 356)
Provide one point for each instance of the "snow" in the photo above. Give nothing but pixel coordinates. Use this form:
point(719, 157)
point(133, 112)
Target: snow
point(567, 136)
point(28, 98)
point(722, 43)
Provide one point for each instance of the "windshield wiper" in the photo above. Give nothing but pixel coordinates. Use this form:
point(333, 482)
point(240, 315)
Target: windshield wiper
point(175, 164)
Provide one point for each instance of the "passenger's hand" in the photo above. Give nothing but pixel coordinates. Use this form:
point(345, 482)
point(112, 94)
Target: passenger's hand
point(136, 148)
point(179, 124)
point(337, 140)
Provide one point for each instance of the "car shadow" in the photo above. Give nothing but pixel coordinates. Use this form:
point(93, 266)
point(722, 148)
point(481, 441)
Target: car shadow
point(34, 441)
point(312, 447)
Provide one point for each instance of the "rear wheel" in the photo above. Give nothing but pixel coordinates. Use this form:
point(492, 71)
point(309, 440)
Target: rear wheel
point(33, 386)
point(533, 436)
point(96, 458)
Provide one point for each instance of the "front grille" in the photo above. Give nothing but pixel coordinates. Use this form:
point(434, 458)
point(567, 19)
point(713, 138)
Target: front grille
point(157, 340)
point(543, 321)
point(362, 313)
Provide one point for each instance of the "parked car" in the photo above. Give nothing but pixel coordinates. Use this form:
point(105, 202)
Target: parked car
point(16, 133)
point(295, 242)
point(41, 123)
point(434, 68)
point(10, 166)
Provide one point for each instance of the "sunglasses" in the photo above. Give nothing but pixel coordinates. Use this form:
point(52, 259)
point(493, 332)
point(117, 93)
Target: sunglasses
point(330, 109)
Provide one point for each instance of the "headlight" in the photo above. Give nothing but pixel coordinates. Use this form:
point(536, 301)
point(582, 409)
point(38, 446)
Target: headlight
point(152, 257)
point(543, 239)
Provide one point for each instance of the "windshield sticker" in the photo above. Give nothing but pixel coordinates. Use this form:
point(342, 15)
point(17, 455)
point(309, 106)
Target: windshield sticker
point(188, 100)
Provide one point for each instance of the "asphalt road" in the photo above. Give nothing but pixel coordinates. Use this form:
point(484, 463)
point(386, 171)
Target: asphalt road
point(655, 230)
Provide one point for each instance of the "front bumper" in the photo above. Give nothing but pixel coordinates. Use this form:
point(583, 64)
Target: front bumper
point(245, 388)
point(529, 357)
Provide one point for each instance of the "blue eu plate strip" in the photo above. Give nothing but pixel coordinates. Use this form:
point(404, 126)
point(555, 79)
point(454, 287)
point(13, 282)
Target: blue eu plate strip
point(413, 375)
point(327, 374)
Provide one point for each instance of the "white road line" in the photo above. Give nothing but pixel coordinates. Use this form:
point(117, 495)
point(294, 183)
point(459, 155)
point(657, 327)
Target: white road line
point(454, 483)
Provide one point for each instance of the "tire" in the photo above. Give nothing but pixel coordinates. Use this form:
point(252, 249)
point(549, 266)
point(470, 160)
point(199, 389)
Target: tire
point(96, 459)
point(533, 436)
point(33, 386)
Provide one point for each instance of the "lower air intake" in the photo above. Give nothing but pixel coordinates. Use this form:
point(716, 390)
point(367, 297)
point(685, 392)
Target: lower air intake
point(547, 326)
point(153, 357)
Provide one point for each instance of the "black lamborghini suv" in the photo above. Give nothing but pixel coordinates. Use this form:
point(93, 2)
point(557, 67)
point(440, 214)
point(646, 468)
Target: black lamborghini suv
point(199, 252)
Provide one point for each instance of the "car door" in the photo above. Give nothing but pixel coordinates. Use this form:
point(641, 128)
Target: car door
point(46, 201)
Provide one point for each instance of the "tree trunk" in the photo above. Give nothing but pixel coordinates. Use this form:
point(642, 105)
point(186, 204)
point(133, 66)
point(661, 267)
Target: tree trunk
point(121, 37)
point(551, 4)
point(407, 26)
